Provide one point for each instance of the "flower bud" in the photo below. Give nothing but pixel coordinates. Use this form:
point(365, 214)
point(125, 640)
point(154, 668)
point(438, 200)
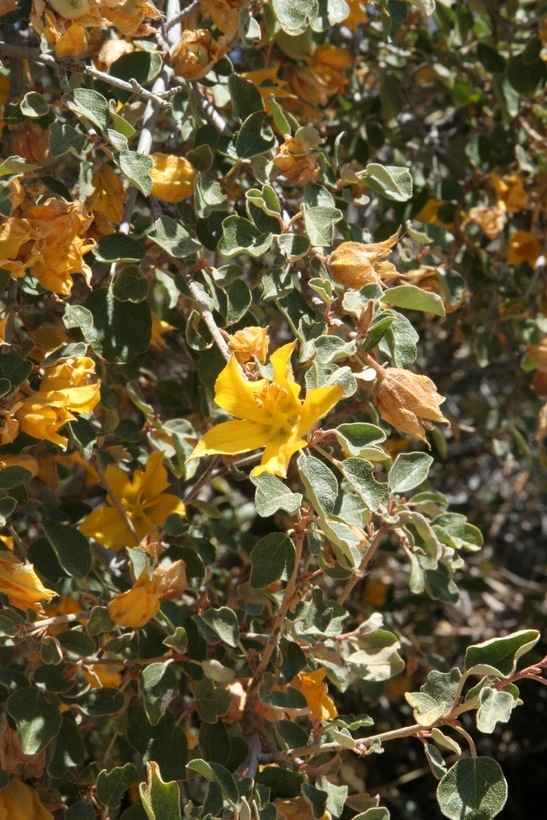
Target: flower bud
point(295, 162)
point(356, 264)
point(172, 177)
point(408, 401)
point(195, 54)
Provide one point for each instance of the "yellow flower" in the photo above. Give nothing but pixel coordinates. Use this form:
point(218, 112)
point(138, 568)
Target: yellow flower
point(3, 325)
point(316, 692)
point(131, 17)
point(21, 584)
point(523, 247)
point(159, 327)
point(329, 62)
point(109, 195)
point(408, 402)
point(295, 161)
point(267, 82)
point(356, 264)
point(41, 416)
point(356, 15)
point(74, 379)
point(138, 605)
point(5, 95)
point(144, 501)
point(172, 177)
point(250, 343)
point(19, 802)
point(512, 196)
point(195, 54)
point(269, 414)
point(73, 43)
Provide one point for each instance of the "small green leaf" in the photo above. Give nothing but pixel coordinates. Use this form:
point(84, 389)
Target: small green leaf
point(246, 97)
point(136, 168)
point(217, 773)
point(436, 696)
point(272, 559)
point(15, 165)
point(360, 474)
point(319, 222)
point(289, 698)
point(409, 470)
point(499, 656)
point(11, 477)
point(377, 658)
point(69, 749)
point(454, 530)
point(239, 235)
point(255, 136)
point(210, 702)
point(293, 245)
point(224, 623)
point(104, 701)
point(161, 800)
point(111, 785)
point(295, 16)
point(495, 707)
point(389, 181)
point(375, 813)
point(158, 686)
point(120, 330)
point(414, 298)
point(64, 138)
point(173, 238)
point(34, 105)
point(118, 247)
point(208, 194)
point(37, 720)
point(320, 484)
point(90, 105)
point(473, 789)
point(142, 66)
point(273, 495)
point(70, 546)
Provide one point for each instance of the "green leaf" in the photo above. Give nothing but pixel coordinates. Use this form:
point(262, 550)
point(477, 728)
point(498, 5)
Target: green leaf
point(208, 195)
point(361, 439)
point(118, 247)
point(436, 696)
point(11, 477)
point(169, 749)
point(217, 773)
point(15, 165)
point(499, 656)
point(360, 474)
point(239, 235)
point(474, 789)
point(435, 760)
point(528, 78)
point(69, 749)
point(375, 813)
point(210, 702)
point(161, 800)
point(389, 181)
point(289, 698)
point(70, 546)
point(7, 507)
point(246, 97)
point(281, 782)
point(214, 743)
point(90, 105)
point(224, 623)
point(293, 245)
point(104, 701)
point(34, 105)
point(319, 222)
point(173, 238)
point(77, 642)
point(272, 559)
point(37, 721)
point(82, 810)
point(453, 530)
point(238, 301)
point(330, 13)
point(136, 168)
point(495, 707)
point(320, 484)
point(377, 658)
point(158, 685)
point(273, 495)
point(111, 785)
point(414, 298)
point(409, 470)
point(14, 369)
point(255, 136)
point(142, 66)
point(84, 436)
point(294, 16)
point(130, 285)
point(336, 795)
point(99, 621)
point(120, 330)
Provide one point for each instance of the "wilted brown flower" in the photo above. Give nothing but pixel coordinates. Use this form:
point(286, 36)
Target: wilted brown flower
point(170, 581)
point(195, 54)
point(12, 759)
point(295, 161)
point(490, 220)
point(408, 402)
point(356, 264)
point(110, 51)
point(31, 142)
point(224, 13)
point(250, 343)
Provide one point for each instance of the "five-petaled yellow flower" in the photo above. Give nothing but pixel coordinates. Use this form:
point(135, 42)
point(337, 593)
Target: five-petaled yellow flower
point(143, 500)
point(269, 414)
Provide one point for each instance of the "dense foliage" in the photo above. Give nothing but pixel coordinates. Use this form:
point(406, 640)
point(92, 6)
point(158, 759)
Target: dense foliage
point(273, 355)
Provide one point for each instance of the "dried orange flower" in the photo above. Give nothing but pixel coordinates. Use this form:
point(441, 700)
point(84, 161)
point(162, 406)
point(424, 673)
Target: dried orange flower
point(308, 89)
point(511, 193)
point(316, 692)
point(296, 162)
point(356, 264)
point(490, 220)
point(297, 807)
point(171, 582)
point(408, 402)
point(523, 247)
point(110, 51)
point(195, 54)
point(31, 142)
point(109, 195)
point(224, 14)
point(12, 759)
point(329, 62)
point(250, 343)
point(356, 15)
point(172, 177)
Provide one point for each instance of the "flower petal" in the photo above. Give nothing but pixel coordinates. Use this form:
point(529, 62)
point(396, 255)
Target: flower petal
point(278, 454)
point(236, 394)
point(317, 404)
point(154, 480)
point(164, 506)
point(283, 375)
point(232, 437)
point(107, 527)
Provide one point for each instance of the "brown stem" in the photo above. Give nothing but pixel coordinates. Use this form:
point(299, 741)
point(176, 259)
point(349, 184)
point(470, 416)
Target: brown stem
point(367, 558)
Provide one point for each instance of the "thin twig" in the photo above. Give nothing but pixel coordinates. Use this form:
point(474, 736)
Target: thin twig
point(367, 558)
point(204, 312)
point(182, 15)
point(36, 56)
